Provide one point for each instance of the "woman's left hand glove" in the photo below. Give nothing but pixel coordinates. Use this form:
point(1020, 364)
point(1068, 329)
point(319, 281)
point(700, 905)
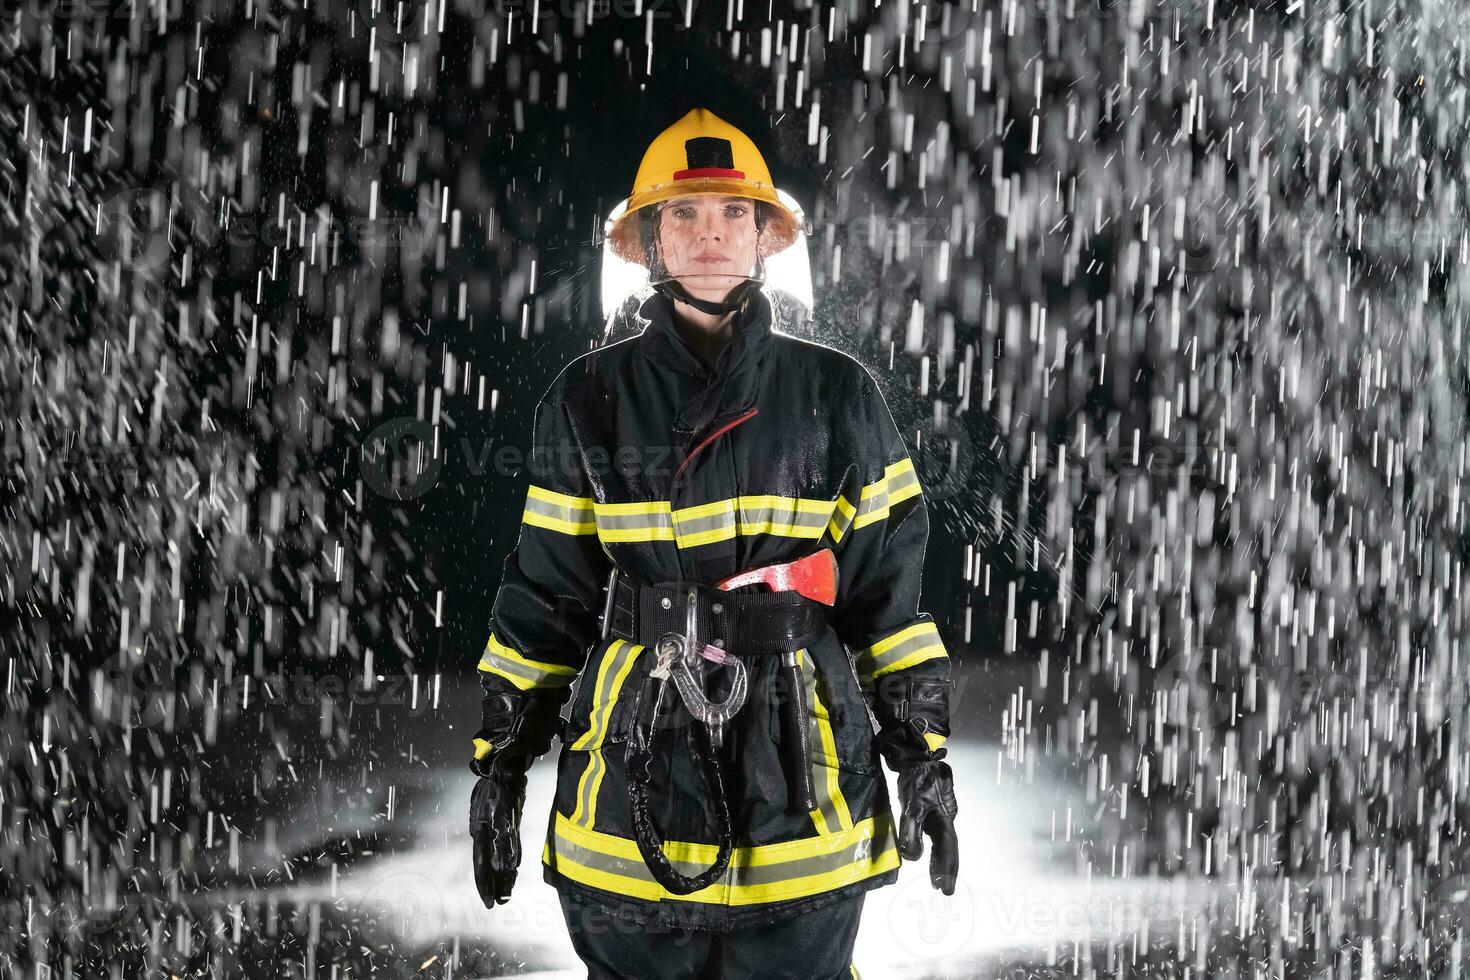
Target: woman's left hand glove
point(926, 794)
point(913, 714)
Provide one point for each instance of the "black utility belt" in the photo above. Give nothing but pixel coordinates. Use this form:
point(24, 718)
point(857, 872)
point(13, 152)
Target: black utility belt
point(743, 624)
point(678, 622)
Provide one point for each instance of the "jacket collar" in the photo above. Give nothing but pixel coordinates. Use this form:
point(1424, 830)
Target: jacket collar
point(662, 342)
point(710, 399)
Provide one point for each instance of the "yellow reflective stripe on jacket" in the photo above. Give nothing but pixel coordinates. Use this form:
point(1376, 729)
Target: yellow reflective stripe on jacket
point(875, 500)
point(588, 787)
point(634, 522)
point(720, 520)
point(612, 670)
point(765, 873)
point(899, 482)
point(558, 512)
point(717, 520)
point(842, 517)
point(832, 813)
point(522, 671)
point(898, 651)
point(617, 660)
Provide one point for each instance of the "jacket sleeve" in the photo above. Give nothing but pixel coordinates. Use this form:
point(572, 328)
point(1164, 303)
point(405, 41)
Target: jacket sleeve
point(901, 661)
point(544, 617)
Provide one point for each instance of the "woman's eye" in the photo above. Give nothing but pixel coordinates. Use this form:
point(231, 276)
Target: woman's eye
point(734, 211)
point(683, 212)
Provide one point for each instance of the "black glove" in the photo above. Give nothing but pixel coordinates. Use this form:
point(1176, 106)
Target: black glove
point(926, 794)
point(516, 727)
point(495, 818)
point(913, 718)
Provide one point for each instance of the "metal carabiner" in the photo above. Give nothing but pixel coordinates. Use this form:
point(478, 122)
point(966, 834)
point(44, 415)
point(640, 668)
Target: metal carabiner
point(680, 659)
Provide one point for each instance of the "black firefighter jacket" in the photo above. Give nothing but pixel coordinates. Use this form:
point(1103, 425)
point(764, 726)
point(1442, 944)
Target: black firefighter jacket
point(644, 458)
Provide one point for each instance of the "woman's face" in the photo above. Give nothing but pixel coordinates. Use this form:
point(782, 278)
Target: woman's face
point(708, 242)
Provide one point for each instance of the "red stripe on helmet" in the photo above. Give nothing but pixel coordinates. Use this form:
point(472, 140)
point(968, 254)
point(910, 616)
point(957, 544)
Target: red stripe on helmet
point(708, 172)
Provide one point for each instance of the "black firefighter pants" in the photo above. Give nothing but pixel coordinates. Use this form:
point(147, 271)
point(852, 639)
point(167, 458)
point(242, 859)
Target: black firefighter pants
point(812, 946)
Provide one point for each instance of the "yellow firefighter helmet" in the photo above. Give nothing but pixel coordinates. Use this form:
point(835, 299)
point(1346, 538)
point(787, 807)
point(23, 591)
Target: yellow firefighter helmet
point(703, 154)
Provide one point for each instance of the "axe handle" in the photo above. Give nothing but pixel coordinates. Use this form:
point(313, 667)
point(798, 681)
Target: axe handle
point(798, 742)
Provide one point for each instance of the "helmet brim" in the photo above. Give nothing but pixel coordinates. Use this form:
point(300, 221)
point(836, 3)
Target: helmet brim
point(785, 225)
point(784, 259)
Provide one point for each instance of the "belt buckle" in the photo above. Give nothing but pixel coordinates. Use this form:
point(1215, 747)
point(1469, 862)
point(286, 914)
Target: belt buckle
point(670, 652)
point(673, 649)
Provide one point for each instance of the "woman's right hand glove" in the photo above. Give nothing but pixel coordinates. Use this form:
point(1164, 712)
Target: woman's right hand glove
point(515, 728)
point(495, 818)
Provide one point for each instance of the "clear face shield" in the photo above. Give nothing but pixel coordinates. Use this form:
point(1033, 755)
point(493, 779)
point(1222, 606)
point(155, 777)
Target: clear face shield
point(708, 244)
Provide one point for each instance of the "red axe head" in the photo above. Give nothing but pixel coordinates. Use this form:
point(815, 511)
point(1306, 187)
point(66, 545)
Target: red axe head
point(814, 576)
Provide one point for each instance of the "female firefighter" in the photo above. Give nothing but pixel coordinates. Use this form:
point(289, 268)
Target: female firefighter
point(759, 526)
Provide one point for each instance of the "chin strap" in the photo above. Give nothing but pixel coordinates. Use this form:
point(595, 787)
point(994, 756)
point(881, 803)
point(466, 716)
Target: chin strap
point(735, 300)
point(672, 288)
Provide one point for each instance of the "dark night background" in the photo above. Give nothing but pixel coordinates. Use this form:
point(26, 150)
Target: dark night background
point(1168, 298)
